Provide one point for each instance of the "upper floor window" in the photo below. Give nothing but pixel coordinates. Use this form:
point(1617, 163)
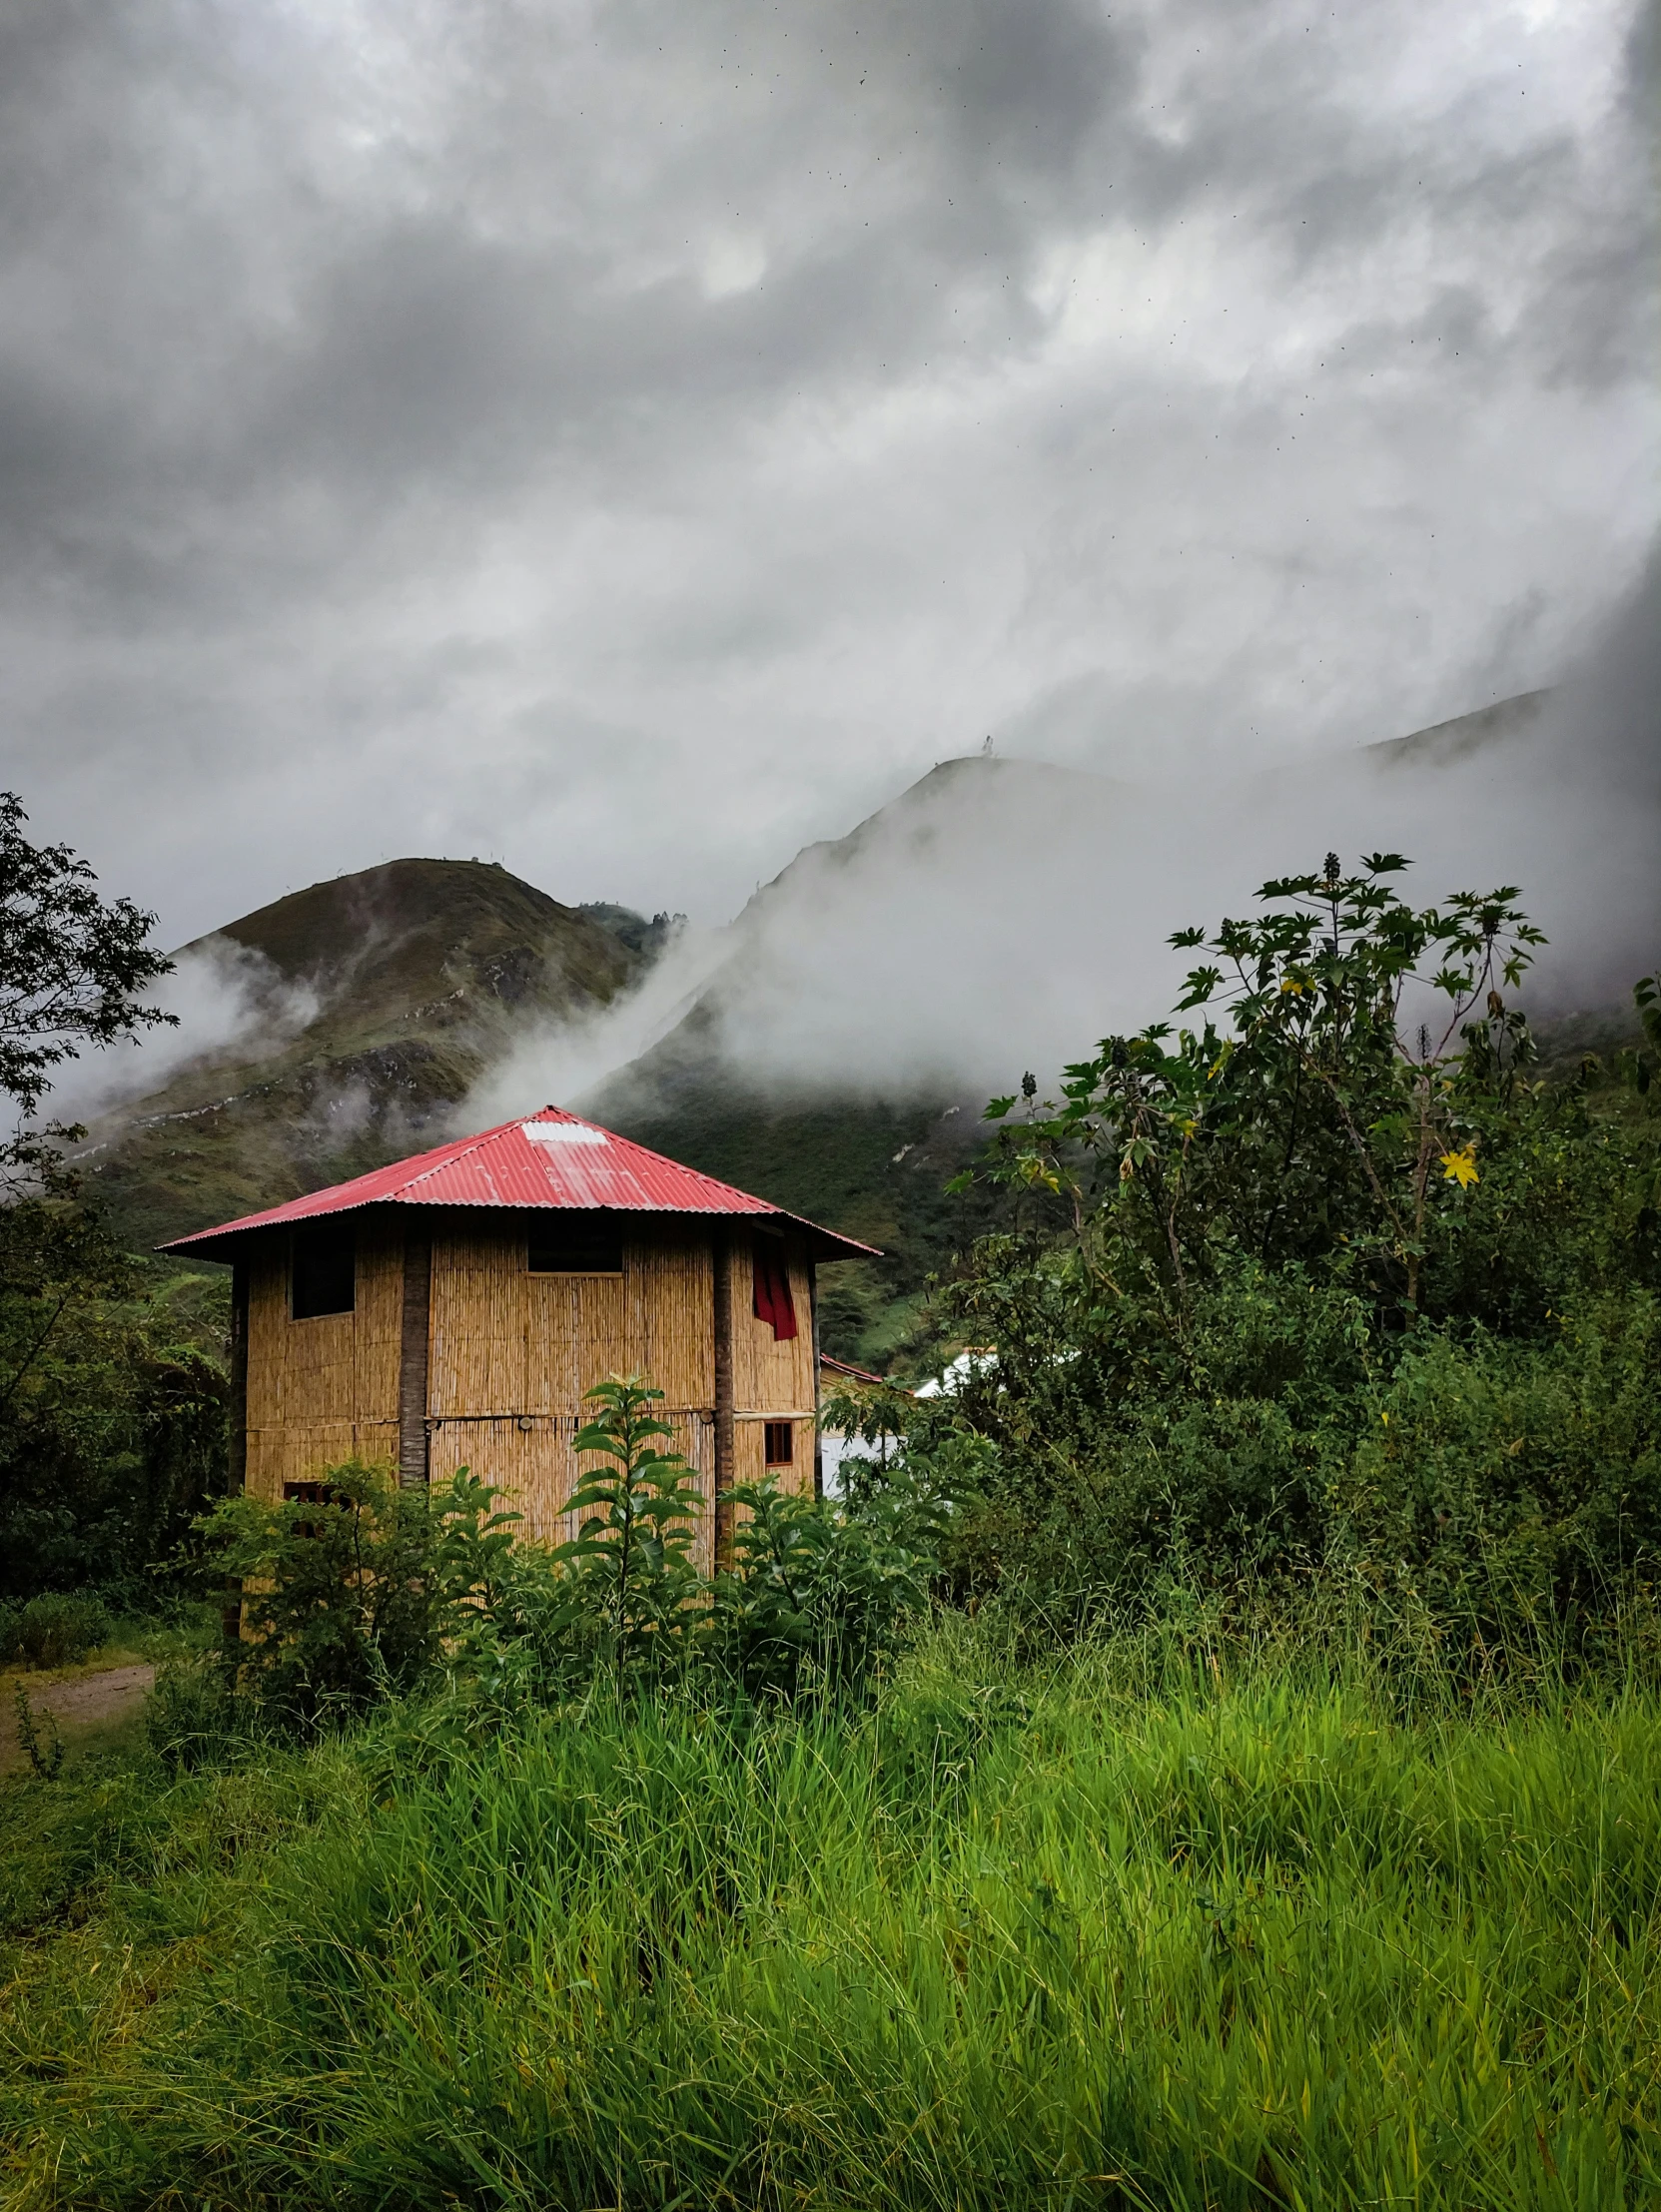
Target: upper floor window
point(576, 1244)
point(325, 1270)
point(774, 1302)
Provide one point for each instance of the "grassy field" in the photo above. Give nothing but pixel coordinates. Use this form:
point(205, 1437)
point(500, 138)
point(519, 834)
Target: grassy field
point(1139, 1929)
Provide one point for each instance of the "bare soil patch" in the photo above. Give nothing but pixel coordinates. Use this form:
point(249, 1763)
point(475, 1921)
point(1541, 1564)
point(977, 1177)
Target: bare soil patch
point(80, 1704)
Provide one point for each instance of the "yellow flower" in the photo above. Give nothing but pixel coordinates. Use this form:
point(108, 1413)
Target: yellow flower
point(1460, 1167)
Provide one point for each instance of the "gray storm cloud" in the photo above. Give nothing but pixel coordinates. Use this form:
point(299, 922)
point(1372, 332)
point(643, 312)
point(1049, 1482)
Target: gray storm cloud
point(629, 441)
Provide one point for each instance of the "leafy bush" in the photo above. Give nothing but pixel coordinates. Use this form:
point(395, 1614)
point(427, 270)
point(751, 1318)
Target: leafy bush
point(350, 1595)
point(821, 1592)
point(55, 1630)
point(364, 1592)
point(1337, 1310)
point(1513, 1476)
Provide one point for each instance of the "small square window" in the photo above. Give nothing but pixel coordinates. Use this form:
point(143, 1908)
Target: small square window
point(585, 1245)
point(309, 1493)
point(325, 1270)
point(779, 1439)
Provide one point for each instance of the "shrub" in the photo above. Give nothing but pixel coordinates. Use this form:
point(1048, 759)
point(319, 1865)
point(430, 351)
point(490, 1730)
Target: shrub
point(821, 1592)
point(364, 1592)
point(55, 1630)
point(1339, 1317)
point(351, 1596)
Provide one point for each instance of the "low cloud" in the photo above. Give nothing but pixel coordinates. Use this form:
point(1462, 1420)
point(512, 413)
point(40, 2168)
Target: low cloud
point(231, 1003)
point(557, 1063)
point(1004, 914)
point(619, 440)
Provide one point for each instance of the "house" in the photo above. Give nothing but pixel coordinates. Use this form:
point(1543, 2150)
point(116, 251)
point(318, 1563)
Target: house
point(870, 1439)
point(450, 1311)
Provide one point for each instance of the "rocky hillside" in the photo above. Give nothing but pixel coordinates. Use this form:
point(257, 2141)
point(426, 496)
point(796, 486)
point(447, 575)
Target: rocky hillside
point(378, 1000)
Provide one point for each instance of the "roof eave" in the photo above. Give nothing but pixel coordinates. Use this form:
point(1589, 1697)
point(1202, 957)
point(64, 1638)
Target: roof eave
point(830, 1245)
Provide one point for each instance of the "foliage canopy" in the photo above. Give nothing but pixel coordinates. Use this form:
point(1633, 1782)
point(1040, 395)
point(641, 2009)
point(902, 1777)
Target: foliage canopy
point(1348, 1288)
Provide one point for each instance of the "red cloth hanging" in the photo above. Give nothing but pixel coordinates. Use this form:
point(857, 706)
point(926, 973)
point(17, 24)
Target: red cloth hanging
point(773, 1301)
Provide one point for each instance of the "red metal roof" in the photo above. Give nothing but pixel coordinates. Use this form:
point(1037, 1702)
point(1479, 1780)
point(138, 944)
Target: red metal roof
point(551, 1158)
point(861, 1374)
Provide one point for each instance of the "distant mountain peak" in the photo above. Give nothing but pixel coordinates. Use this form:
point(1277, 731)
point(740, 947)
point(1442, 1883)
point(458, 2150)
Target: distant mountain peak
point(413, 977)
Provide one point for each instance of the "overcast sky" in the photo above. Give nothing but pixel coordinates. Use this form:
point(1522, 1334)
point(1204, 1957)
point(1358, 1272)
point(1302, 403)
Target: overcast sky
point(630, 440)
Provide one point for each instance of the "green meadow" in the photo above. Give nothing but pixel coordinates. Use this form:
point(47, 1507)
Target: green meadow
point(1154, 1923)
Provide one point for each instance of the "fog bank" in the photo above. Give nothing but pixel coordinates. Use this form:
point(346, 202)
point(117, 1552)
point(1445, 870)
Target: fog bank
point(1004, 914)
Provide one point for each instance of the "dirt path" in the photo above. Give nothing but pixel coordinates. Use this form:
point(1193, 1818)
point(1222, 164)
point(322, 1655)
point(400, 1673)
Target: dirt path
point(80, 1705)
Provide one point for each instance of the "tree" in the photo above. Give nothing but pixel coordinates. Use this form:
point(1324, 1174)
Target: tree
point(1349, 1286)
point(106, 1429)
point(1317, 1123)
point(74, 969)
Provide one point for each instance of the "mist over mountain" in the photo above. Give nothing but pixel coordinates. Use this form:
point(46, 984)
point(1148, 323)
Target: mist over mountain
point(833, 1045)
point(1002, 915)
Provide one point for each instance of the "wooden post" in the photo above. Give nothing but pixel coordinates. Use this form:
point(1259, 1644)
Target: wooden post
point(412, 1460)
point(723, 1400)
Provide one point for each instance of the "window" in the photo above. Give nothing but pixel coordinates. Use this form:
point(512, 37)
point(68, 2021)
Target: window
point(325, 1270)
point(778, 1436)
point(309, 1493)
point(586, 1245)
point(773, 1302)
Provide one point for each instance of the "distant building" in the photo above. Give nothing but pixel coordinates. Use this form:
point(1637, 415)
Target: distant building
point(875, 1396)
point(450, 1311)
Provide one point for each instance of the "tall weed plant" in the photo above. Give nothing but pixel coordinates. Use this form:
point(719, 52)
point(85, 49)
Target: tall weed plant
point(363, 1592)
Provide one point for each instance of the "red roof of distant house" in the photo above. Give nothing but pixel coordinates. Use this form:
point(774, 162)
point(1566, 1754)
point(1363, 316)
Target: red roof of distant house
point(551, 1158)
point(861, 1374)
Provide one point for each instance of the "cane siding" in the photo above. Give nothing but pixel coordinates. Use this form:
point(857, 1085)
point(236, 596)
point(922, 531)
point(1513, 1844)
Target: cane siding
point(324, 1390)
point(509, 1355)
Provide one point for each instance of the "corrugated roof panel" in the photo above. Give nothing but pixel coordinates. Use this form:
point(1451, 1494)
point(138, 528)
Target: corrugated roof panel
point(551, 1158)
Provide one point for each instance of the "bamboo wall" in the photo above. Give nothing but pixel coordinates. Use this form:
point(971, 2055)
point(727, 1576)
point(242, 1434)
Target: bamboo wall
point(324, 1390)
point(767, 1374)
point(770, 1378)
point(510, 1354)
point(531, 1462)
point(504, 1341)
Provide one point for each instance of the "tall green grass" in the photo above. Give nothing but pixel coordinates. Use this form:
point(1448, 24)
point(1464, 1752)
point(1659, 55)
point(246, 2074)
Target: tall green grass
point(1202, 1935)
